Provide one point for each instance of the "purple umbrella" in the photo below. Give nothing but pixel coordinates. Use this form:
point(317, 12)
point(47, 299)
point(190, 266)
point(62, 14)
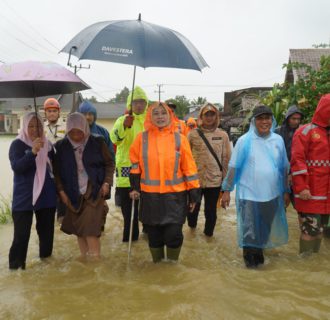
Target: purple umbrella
point(31, 79)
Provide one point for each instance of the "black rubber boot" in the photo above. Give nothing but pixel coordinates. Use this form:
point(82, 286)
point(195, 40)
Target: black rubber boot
point(173, 253)
point(259, 256)
point(306, 246)
point(157, 254)
point(249, 257)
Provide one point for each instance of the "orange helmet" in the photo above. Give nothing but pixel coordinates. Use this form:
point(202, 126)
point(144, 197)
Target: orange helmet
point(51, 103)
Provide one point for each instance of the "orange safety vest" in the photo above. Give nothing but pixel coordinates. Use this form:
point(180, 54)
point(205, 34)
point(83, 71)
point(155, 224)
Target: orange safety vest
point(165, 162)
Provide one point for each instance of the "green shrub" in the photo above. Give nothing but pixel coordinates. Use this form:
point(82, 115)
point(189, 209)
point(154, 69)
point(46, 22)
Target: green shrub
point(5, 210)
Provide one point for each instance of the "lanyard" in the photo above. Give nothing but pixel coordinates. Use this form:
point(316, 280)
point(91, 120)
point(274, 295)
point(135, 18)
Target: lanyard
point(51, 131)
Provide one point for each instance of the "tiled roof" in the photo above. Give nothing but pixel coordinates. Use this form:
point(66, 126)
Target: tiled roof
point(308, 56)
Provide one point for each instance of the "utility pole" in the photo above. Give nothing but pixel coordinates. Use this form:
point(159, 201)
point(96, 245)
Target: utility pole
point(76, 68)
point(159, 90)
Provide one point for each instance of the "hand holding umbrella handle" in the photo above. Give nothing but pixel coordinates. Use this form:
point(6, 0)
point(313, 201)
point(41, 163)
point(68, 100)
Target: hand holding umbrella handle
point(128, 122)
point(37, 145)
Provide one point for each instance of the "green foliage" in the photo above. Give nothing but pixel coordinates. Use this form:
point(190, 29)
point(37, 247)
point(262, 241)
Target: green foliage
point(305, 93)
point(182, 104)
point(92, 99)
point(5, 210)
point(276, 99)
point(321, 45)
point(120, 97)
point(199, 101)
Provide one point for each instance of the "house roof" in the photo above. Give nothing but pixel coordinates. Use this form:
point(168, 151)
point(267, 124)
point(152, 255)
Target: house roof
point(107, 110)
point(235, 95)
point(310, 57)
point(25, 104)
point(193, 114)
point(104, 110)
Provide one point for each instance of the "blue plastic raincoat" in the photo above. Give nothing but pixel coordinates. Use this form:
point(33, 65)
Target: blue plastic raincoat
point(258, 167)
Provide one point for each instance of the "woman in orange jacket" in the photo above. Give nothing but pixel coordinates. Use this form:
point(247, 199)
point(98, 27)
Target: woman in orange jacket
point(164, 176)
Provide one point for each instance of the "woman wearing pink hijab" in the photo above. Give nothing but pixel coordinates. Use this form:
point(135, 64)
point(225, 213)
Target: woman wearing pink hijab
point(30, 156)
point(84, 173)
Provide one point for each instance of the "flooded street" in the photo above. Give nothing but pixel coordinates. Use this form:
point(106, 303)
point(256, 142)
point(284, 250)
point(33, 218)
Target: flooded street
point(209, 282)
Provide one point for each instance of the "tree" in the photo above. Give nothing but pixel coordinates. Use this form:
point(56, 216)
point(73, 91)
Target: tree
point(199, 101)
point(182, 104)
point(321, 45)
point(120, 97)
point(92, 99)
point(305, 93)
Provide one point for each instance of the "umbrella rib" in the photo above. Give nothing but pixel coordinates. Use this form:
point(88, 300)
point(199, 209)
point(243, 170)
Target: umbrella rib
point(144, 44)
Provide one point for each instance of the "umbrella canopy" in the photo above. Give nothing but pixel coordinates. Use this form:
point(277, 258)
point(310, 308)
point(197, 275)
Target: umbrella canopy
point(32, 79)
point(137, 43)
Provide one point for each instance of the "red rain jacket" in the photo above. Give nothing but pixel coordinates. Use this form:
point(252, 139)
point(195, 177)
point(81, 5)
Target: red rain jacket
point(310, 161)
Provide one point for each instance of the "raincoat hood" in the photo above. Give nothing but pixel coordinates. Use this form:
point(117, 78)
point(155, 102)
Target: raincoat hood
point(138, 93)
point(322, 113)
point(292, 110)
point(86, 107)
point(149, 125)
point(191, 121)
point(209, 107)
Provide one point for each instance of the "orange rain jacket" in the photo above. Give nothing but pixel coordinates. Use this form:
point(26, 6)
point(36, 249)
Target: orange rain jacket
point(164, 170)
point(191, 124)
point(180, 125)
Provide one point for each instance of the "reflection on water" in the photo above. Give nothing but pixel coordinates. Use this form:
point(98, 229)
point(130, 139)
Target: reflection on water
point(210, 281)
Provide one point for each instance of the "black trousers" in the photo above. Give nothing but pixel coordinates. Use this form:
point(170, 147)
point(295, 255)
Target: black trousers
point(211, 196)
point(22, 230)
point(126, 210)
point(168, 234)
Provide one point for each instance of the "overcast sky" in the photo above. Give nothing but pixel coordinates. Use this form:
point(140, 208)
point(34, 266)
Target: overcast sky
point(245, 42)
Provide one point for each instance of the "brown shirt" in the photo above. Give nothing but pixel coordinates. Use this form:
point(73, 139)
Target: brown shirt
point(209, 172)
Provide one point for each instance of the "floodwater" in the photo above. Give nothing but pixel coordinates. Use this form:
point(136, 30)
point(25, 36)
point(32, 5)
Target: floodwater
point(209, 282)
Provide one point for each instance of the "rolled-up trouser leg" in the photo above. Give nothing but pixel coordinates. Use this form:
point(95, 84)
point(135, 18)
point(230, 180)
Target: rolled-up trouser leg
point(311, 225)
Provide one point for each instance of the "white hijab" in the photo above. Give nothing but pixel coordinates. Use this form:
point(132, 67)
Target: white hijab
point(42, 156)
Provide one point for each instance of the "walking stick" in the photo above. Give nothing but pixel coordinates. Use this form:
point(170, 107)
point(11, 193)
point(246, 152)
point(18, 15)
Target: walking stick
point(130, 233)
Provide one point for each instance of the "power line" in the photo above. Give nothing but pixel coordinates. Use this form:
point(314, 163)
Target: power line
point(97, 94)
point(30, 25)
point(26, 35)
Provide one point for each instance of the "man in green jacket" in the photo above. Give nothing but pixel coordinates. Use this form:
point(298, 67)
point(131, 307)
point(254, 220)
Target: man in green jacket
point(123, 134)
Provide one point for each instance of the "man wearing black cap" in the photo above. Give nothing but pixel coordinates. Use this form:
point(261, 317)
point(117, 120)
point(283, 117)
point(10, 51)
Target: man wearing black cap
point(258, 167)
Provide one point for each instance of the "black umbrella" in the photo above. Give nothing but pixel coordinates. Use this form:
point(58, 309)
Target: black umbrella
point(137, 43)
